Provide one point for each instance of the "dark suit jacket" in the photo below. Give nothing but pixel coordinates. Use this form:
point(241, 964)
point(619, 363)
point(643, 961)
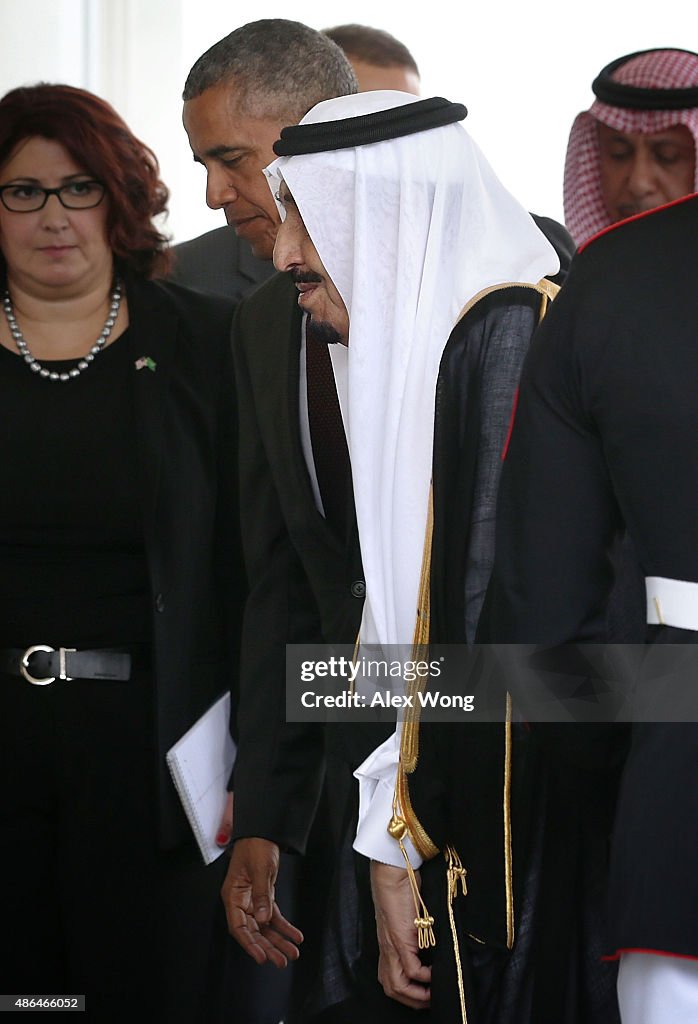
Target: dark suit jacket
point(186, 420)
point(302, 575)
point(219, 263)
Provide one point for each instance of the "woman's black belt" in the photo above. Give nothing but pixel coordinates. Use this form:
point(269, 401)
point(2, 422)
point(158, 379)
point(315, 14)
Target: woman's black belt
point(41, 665)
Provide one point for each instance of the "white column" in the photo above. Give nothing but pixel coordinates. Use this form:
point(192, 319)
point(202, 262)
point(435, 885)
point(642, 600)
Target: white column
point(134, 62)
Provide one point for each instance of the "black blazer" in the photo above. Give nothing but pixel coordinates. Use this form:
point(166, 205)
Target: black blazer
point(306, 583)
point(185, 412)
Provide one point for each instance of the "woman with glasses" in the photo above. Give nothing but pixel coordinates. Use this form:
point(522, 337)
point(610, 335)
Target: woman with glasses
point(120, 577)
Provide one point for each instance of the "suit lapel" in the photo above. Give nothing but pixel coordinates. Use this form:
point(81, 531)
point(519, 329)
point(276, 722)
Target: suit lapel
point(292, 434)
point(273, 354)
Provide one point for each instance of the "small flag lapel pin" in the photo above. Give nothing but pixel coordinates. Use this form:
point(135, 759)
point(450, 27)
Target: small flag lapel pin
point(146, 361)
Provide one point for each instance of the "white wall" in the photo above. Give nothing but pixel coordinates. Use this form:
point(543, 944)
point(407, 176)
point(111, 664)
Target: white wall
point(523, 70)
point(42, 40)
point(135, 48)
point(128, 51)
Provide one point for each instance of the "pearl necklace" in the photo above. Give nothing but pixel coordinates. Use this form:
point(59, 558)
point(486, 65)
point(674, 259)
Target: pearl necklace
point(35, 366)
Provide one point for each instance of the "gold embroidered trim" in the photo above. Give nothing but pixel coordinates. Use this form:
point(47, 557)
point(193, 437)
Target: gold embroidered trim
point(550, 290)
point(402, 808)
point(409, 741)
point(455, 873)
point(404, 820)
point(546, 288)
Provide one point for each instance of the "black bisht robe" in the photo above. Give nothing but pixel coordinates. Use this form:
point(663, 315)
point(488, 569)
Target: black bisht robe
point(552, 904)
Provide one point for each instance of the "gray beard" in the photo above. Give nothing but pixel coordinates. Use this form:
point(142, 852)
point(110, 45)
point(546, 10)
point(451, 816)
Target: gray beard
point(323, 332)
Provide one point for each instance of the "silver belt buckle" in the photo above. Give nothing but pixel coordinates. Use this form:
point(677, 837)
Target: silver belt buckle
point(24, 664)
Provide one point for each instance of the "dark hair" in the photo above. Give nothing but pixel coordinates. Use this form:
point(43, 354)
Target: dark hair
point(279, 69)
point(101, 142)
point(372, 45)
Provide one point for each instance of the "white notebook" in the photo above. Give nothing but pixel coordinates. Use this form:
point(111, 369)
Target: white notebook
point(200, 764)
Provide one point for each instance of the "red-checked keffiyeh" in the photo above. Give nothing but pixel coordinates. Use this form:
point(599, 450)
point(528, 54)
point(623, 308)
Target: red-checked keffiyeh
point(633, 109)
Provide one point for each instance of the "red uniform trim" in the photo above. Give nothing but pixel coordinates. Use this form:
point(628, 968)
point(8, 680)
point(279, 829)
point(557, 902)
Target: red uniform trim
point(651, 952)
point(636, 216)
point(505, 449)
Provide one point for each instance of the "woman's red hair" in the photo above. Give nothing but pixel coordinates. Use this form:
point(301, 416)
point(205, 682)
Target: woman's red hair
point(100, 142)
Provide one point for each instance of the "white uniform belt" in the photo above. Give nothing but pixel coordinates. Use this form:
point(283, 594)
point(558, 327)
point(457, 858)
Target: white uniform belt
point(672, 602)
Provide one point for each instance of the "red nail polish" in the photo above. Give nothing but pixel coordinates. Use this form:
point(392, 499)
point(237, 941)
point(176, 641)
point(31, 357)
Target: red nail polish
point(222, 838)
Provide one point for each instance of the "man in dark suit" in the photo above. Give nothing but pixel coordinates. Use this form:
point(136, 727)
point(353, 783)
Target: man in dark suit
point(237, 99)
point(306, 595)
point(237, 96)
point(220, 261)
point(304, 583)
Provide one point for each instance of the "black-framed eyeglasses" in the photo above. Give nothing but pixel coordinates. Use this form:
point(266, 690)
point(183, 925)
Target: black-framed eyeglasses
point(76, 195)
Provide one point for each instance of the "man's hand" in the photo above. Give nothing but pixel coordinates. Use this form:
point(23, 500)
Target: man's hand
point(400, 971)
point(254, 919)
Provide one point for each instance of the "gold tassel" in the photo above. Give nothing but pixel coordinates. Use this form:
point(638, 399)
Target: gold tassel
point(455, 873)
point(423, 922)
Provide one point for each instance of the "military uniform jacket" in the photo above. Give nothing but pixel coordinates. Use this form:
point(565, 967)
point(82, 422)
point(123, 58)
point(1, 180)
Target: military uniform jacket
point(604, 440)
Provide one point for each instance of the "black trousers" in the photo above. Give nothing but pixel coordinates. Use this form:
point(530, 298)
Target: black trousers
point(88, 903)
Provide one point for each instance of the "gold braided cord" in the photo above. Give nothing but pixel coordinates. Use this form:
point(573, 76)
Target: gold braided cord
point(409, 742)
point(409, 739)
point(454, 873)
point(423, 921)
